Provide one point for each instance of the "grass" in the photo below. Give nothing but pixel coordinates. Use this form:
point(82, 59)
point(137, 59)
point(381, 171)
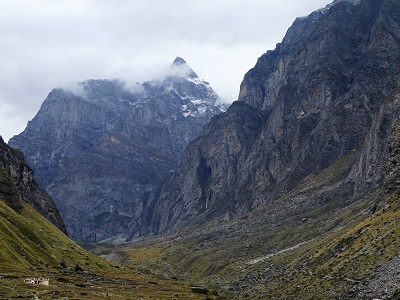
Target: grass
point(30, 246)
point(321, 253)
point(333, 173)
point(326, 257)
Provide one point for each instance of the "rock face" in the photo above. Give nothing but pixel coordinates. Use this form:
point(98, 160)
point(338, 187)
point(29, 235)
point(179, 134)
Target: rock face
point(385, 282)
point(18, 184)
point(392, 180)
point(329, 93)
point(100, 148)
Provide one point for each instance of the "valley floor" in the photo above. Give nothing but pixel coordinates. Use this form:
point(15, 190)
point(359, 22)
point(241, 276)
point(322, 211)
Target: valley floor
point(88, 285)
point(351, 253)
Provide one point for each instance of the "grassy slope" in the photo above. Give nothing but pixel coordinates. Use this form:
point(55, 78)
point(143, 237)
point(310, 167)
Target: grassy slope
point(30, 246)
point(332, 265)
point(331, 255)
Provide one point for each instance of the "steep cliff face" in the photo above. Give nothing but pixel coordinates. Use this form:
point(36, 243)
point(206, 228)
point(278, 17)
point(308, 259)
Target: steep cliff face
point(331, 87)
point(100, 147)
point(324, 99)
point(392, 180)
point(330, 250)
point(18, 185)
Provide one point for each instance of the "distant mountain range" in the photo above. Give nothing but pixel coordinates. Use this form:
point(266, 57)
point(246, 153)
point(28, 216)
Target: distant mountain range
point(99, 147)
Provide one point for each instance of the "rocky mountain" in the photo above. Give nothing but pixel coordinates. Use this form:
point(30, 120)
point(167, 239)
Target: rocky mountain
point(31, 246)
point(392, 180)
point(293, 193)
point(330, 251)
point(323, 102)
point(18, 186)
point(100, 147)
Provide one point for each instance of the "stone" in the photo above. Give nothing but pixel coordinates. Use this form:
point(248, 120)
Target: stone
point(100, 147)
point(18, 185)
point(322, 102)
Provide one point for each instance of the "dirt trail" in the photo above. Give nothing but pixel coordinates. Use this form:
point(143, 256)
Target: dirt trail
point(261, 259)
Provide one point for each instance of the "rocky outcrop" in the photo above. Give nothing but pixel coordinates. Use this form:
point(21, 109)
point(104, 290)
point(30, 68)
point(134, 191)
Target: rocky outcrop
point(18, 184)
point(328, 93)
point(101, 146)
point(392, 180)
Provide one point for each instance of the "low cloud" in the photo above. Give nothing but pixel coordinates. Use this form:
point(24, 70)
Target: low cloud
point(75, 88)
point(133, 87)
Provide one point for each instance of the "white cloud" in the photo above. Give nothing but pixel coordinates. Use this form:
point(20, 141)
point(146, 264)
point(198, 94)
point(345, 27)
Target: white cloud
point(75, 88)
point(45, 44)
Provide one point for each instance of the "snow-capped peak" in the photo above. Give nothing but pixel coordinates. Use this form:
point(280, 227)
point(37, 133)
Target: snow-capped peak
point(180, 68)
point(179, 61)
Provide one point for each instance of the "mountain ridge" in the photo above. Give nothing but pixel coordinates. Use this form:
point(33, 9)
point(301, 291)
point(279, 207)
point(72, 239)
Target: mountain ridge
point(328, 94)
point(100, 146)
point(293, 191)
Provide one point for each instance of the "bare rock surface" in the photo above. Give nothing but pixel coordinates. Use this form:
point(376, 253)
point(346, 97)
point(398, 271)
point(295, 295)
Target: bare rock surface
point(328, 94)
point(99, 147)
point(17, 184)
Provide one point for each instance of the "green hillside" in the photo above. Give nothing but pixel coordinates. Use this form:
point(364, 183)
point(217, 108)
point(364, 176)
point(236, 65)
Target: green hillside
point(30, 246)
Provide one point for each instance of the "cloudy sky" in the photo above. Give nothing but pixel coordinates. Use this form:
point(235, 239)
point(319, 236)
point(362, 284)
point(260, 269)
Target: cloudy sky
point(46, 44)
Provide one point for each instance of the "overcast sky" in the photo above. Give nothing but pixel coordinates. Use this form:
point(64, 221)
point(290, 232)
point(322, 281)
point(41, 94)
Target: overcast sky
point(46, 44)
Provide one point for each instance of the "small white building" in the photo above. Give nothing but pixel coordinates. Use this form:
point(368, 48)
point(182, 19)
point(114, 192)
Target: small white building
point(42, 281)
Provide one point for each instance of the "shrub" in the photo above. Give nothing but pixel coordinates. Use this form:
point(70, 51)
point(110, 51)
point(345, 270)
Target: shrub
point(78, 268)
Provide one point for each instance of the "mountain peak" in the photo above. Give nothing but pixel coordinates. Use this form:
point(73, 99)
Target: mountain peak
point(179, 61)
point(182, 68)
